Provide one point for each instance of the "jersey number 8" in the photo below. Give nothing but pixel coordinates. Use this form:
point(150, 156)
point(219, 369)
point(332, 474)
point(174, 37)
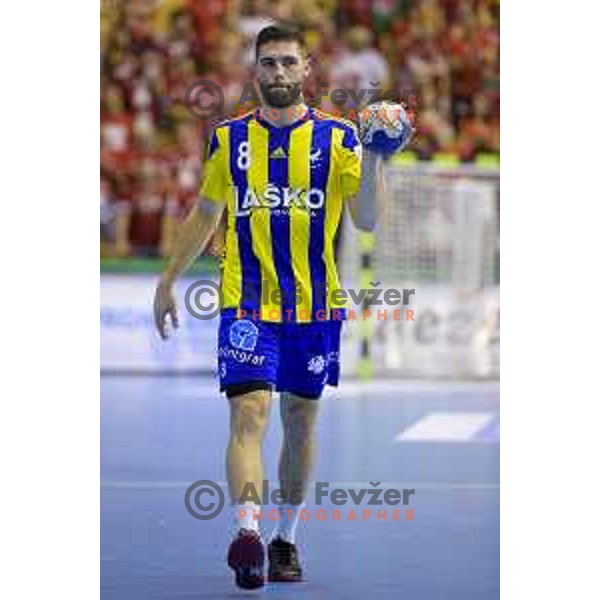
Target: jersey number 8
point(243, 160)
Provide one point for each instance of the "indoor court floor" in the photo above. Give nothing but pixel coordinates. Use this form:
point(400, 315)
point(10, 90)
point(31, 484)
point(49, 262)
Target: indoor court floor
point(161, 434)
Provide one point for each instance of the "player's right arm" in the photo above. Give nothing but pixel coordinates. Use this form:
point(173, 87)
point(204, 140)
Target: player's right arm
point(193, 236)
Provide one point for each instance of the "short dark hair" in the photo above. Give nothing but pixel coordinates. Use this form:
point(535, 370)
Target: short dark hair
point(279, 33)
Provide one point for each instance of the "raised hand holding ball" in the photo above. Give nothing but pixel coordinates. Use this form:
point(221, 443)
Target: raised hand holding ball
point(384, 128)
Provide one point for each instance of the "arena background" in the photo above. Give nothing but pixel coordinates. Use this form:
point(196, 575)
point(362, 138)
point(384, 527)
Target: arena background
point(419, 404)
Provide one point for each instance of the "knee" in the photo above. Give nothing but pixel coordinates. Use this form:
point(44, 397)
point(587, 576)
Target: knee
point(248, 418)
point(299, 421)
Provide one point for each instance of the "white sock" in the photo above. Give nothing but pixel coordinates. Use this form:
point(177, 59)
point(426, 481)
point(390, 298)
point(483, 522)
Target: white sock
point(243, 516)
point(288, 519)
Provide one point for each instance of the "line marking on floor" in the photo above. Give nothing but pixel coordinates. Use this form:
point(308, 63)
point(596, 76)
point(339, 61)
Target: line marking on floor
point(442, 426)
point(373, 389)
point(424, 485)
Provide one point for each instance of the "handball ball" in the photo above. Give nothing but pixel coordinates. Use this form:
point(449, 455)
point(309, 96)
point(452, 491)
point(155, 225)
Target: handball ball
point(384, 128)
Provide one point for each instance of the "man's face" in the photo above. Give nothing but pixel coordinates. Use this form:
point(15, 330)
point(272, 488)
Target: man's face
point(281, 69)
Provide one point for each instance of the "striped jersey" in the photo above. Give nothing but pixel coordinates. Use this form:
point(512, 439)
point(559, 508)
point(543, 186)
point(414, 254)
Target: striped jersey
point(284, 188)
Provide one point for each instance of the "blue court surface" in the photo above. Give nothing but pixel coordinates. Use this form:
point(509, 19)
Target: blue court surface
point(161, 434)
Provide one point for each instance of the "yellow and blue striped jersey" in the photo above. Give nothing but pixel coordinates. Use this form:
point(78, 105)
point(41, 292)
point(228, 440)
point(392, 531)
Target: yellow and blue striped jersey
point(284, 188)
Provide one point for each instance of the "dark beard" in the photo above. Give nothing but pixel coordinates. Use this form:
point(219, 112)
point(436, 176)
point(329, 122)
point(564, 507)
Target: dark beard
point(281, 98)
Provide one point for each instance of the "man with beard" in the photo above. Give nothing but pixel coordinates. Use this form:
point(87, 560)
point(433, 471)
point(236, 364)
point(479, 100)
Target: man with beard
point(284, 172)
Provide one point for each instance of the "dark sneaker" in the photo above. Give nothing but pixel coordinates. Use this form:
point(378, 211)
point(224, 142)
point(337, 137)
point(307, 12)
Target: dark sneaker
point(247, 558)
point(283, 562)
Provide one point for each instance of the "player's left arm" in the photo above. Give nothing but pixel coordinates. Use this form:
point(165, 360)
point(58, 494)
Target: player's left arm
point(367, 204)
point(361, 182)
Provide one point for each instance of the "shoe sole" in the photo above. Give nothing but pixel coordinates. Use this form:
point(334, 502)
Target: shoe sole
point(247, 580)
point(246, 577)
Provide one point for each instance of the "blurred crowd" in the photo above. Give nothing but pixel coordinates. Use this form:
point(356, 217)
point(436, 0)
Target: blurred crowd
point(439, 56)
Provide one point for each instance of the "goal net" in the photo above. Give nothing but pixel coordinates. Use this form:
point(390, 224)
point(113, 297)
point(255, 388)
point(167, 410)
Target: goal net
point(439, 236)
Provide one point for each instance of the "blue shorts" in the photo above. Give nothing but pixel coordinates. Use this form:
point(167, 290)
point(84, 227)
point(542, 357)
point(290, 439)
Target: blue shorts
point(300, 358)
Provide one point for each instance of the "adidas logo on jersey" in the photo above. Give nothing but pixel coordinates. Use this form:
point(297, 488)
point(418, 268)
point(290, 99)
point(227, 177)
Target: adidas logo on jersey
point(278, 153)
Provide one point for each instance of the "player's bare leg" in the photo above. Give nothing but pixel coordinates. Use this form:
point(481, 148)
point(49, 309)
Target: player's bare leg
point(299, 418)
point(298, 450)
point(249, 415)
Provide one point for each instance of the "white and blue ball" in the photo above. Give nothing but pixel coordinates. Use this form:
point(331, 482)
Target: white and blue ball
point(384, 128)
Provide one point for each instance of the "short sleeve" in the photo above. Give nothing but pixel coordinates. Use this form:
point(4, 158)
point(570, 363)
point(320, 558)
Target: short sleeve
point(351, 160)
point(213, 186)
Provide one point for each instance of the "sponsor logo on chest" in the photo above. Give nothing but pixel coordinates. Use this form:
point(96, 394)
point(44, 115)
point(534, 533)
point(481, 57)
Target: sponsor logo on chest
point(277, 198)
